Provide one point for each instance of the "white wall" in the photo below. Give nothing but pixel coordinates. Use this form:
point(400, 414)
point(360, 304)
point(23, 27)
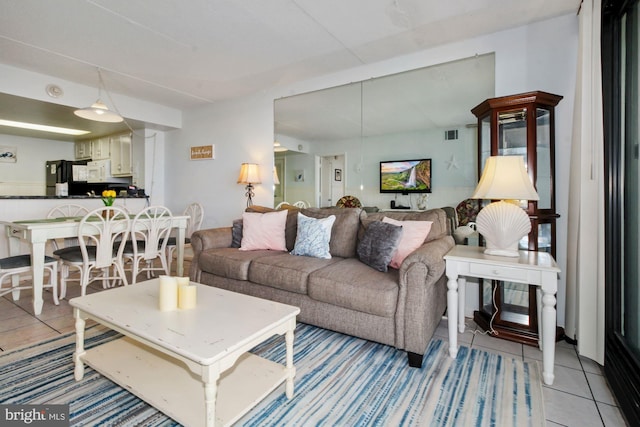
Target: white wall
point(540, 56)
point(27, 175)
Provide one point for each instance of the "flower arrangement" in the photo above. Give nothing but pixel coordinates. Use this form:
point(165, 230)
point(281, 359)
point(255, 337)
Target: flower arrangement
point(108, 197)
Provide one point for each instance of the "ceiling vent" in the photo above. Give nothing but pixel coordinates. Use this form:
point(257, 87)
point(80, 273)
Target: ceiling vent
point(450, 134)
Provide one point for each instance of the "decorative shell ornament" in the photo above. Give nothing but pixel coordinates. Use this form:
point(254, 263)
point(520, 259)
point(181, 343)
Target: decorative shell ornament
point(503, 224)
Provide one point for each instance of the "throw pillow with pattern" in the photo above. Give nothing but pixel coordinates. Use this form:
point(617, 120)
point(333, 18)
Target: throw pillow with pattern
point(313, 236)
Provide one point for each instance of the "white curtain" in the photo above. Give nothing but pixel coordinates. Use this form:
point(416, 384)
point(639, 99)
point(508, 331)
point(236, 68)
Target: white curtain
point(585, 249)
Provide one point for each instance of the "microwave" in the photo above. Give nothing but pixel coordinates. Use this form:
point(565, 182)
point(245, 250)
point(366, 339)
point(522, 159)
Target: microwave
point(100, 171)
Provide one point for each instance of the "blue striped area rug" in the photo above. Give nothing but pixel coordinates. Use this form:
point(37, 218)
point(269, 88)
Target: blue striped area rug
point(340, 381)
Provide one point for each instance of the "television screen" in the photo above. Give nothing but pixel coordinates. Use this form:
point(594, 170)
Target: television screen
point(405, 176)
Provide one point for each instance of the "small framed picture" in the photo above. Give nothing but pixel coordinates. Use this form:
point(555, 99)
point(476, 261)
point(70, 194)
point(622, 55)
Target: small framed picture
point(299, 177)
point(202, 152)
point(337, 175)
point(8, 154)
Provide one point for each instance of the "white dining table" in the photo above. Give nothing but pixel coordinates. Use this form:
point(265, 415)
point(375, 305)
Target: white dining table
point(36, 232)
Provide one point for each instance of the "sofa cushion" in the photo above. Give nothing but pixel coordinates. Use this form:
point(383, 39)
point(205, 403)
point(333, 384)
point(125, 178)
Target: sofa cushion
point(263, 231)
point(286, 271)
point(231, 263)
point(344, 234)
point(291, 226)
point(356, 286)
point(313, 236)
point(379, 244)
point(414, 234)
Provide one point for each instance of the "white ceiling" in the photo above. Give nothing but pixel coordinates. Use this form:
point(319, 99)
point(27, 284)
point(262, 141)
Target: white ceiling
point(183, 54)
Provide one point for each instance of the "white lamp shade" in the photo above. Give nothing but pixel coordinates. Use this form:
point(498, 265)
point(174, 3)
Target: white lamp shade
point(276, 181)
point(505, 178)
point(99, 112)
point(249, 174)
point(501, 223)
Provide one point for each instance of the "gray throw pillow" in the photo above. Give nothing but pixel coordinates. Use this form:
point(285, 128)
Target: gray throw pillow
point(236, 233)
point(378, 244)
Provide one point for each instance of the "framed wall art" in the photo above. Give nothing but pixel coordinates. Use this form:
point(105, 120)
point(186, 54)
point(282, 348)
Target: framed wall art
point(8, 154)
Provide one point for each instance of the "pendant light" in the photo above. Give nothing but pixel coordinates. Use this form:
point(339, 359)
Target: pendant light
point(98, 111)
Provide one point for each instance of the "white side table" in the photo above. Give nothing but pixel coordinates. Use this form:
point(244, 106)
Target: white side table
point(535, 268)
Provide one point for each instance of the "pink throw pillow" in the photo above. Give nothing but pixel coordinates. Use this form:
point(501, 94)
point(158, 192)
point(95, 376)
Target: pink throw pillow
point(263, 231)
point(414, 233)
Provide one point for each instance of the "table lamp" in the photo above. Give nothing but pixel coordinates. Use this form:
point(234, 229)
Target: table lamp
point(504, 223)
point(249, 175)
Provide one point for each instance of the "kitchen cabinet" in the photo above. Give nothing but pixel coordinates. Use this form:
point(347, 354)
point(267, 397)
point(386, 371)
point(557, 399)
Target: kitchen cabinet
point(121, 155)
point(93, 149)
point(520, 125)
point(83, 150)
point(100, 148)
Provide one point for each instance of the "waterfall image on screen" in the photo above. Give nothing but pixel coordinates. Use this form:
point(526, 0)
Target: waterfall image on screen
point(405, 176)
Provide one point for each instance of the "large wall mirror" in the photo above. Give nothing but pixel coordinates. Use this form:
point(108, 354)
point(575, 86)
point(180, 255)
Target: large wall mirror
point(329, 143)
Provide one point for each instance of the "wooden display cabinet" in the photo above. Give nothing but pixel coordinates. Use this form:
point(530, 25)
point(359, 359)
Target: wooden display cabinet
point(521, 125)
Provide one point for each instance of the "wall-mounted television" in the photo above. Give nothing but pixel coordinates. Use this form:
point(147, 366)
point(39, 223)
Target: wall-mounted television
point(405, 176)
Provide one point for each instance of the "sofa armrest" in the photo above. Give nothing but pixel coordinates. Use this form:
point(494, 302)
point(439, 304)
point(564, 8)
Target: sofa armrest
point(422, 294)
point(202, 240)
point(430, 254)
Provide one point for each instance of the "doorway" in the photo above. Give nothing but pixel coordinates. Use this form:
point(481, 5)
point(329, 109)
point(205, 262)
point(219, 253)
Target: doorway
point(331, 178)
point(278, 178)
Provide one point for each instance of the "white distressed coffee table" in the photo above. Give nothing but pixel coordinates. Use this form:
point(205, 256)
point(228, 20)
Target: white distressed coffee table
point(193, 365)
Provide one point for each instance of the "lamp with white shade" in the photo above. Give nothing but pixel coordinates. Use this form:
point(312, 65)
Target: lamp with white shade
point(99, 112)
point(249, 175)
point(504, 223)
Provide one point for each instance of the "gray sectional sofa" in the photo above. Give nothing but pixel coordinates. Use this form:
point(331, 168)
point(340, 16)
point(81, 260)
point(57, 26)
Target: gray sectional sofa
point(400, 307)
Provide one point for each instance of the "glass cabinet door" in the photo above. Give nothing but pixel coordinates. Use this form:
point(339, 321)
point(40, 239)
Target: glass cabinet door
point(512, 134)
point(544, 158)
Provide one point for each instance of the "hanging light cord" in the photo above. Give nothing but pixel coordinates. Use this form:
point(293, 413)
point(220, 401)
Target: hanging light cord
point(102, 85)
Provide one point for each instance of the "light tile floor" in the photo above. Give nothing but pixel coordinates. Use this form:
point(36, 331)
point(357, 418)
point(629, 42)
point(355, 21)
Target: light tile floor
point(579, 396)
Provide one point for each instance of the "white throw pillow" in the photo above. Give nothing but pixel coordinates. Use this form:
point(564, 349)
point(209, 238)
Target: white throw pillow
point(263, 231)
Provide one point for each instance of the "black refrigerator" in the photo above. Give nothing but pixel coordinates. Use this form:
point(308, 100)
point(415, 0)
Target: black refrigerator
point(61, 171)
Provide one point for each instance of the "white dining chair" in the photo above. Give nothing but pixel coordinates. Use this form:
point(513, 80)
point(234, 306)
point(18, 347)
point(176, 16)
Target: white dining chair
point(21, 264)
point(301, 204)
point(150, 230)
point(69, 210)
point(195, 211)
point(282, 204)
point(102, 236)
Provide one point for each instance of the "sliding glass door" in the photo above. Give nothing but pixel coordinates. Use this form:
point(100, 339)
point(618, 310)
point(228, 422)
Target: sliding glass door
point(621, 82)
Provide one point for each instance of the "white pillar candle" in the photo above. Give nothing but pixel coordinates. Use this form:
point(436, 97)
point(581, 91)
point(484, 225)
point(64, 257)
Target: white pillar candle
point(182, 281)
point(168, 299)
point(187, 297)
